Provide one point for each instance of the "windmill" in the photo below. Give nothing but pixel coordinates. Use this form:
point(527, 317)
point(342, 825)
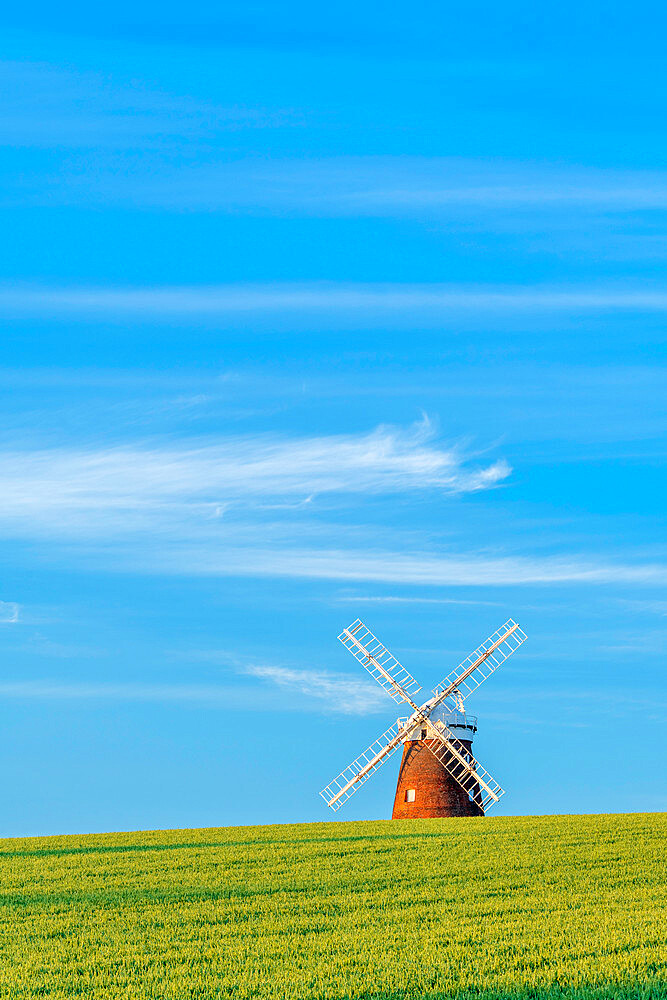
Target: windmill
point(438, 775)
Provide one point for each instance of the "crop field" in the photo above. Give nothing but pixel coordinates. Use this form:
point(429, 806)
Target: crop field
point(565, 906)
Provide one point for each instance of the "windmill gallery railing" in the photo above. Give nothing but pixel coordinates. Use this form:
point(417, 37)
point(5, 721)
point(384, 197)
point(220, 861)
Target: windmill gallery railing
point(453, 720)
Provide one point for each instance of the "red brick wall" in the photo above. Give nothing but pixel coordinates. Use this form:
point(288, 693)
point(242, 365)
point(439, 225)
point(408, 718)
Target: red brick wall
point(436, 792)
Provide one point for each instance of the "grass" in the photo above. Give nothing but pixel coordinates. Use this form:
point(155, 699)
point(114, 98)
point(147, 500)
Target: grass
point(558, 906)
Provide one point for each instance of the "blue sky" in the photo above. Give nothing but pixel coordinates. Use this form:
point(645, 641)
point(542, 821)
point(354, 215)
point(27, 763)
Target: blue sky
point(315, 316)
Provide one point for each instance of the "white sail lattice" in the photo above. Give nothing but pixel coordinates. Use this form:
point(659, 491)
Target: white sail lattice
point(355, 774)
point(378, 661)
point(475, 669)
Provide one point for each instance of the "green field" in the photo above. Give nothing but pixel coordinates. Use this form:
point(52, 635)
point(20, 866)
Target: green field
point(564, 906)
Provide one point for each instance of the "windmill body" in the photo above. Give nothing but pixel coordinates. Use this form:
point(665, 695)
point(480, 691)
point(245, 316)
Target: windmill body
point(425, 789)
point(439, 775)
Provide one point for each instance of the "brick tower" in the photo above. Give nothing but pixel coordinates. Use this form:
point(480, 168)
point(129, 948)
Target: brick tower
point(425, 789)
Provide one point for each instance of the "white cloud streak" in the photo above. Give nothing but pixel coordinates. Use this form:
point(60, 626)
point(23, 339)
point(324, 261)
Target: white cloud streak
point(345, 186)
point(44, 105)
point(395, 599)
point(377, 186)
point(329, 693)
point(362, 303)
point(423, 569)
point(9, 612)
point(202, 510)
point(49, 690)
point(63, 489)
point(647, 607)
point(342, 694)
point(169, 510)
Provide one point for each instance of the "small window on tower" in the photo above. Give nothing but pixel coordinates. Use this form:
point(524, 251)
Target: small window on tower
point(423, 734)
point(409, 795)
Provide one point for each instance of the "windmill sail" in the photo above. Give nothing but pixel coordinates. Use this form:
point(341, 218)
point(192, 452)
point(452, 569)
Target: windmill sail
point(475, 669)
point(468, 772)
point(348, 781)
point(379, 662)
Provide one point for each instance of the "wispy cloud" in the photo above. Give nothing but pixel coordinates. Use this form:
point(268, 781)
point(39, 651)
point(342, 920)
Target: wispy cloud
point(343, 694)
point(63, 490)
point(46, 105)
point(328, 692)
point(48, 690)
point(9, 612)
point(651, 607)
point(384, 185)
point(396, 599)
point(363, 304)
point(249, 506)
point(456, 187)
point(423, 569)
